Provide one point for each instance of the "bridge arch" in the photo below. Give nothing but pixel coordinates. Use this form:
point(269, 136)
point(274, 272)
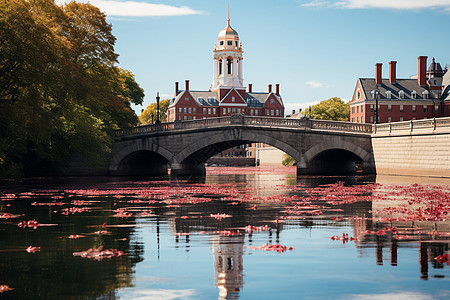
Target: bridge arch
point(191, 158)
point(335, 156)
point(140, 158)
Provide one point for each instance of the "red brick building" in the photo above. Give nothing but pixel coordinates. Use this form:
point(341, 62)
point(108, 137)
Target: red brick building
point(423, 96)
point(227, 94)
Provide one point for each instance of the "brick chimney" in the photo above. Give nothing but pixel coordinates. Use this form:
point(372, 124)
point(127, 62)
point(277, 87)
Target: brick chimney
point(277, 89)
point(270, 88)
point(422, 70)
point(250, 88)
point(176, 88)
point(393, 71)
point(293, 111)
point(378, 73)
point(186, 85)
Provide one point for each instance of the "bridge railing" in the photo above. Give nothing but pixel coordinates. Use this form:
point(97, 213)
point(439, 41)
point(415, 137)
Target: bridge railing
point(251, 121)
point(413, 125)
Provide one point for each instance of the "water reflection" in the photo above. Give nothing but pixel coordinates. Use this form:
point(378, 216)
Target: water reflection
point(235, 215)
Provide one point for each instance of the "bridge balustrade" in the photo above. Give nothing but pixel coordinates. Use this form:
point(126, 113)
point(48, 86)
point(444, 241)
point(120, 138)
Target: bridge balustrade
point(410, 126)
point(251, 121)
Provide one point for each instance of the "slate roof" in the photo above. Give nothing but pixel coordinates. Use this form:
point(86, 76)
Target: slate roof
point(406, 85)
point(256, 99)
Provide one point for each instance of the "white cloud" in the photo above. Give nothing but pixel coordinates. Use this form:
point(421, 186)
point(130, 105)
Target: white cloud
point(158, 294)
point(314, 84)
point(383, 4)
point(137, 9)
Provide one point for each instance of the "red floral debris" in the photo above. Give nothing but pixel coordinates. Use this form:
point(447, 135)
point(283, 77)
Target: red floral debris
point(31, 224)
point(32, 249)
point(219, 216)
point(99, 253)
point(5, 288)
point(275, 247)
point(75, 236)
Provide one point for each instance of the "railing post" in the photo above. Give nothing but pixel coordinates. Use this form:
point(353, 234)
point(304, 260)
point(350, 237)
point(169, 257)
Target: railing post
point(411, 126)
point(434, 123)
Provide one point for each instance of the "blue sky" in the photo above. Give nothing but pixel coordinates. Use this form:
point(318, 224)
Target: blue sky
point(315, 49)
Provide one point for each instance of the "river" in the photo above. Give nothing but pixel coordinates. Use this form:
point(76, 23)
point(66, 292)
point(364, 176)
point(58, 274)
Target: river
point(237, 233)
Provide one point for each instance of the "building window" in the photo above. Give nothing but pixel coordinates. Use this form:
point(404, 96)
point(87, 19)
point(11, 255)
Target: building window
point(389, 108)
point(194, 118)
point(389, 119)
point(271, 101)
point(371, 107)
point(267, 112)
point(413, 94)
point(204, 110)
point(209, 110)
point(436, 108)
point(362, 108)
point(233, 99)
point(229, 110)
point(362, 119)
point(187, 98)
point(224, 110)
point(371, 119)
point(413, 108)
point(271, 112)
point(353, 110)
point(251, 112)
point(357, 109)
point(401, 108)
point(185, 118)
point(179, 118)
point(401, 119)
point(388, 95)
point(220, 65)
point(359, 95)
point(401, 94)
point(277, 112)
point(195, 110)
point(425, 108)
point(229, 64)
point(214, 110)
point(190, 110)
point(221, 43)
point(179, 109)
point(230, 43)
point(185, 110)
point(256, 112)
point(357, 119)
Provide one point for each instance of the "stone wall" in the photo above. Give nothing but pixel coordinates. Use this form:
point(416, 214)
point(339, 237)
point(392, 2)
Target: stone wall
point(413, 151)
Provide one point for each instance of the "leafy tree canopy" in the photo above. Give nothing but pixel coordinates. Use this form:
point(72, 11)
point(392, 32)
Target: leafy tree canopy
point(149, 115)
point(331, 109)
point(61, 94)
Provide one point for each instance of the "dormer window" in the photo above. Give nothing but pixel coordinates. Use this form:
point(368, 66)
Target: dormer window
point(358, 95)
point(401, 94)
point(388, 95)
point(413, 94)
point(425, 94)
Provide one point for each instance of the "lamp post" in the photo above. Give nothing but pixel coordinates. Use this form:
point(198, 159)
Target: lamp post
point(157, 109)
point(376, 92)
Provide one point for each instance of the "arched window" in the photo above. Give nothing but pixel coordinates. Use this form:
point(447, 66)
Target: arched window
point(229, 65)
point(220, 67)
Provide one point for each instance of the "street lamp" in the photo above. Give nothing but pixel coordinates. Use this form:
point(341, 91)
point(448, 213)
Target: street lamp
point(157, 109)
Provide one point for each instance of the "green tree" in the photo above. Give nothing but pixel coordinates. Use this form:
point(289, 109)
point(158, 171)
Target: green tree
point(331, 109)
point(148, 116)
point(288, 160)
point(61, 94)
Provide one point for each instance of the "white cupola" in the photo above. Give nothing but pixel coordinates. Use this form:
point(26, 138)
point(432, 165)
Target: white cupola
point(228, 60)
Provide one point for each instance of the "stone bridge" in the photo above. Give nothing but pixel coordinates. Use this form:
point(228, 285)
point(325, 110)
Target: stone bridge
point(319, 147)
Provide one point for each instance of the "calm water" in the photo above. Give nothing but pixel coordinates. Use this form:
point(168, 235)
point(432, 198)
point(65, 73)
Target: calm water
point(251, 233)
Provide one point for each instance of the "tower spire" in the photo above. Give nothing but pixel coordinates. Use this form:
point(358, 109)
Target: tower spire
point(228, 16)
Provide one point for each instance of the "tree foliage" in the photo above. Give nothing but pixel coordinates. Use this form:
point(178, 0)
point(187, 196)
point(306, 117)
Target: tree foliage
point(331, 109)
point(61, 94)
point(149, 115)
point(288, 160)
